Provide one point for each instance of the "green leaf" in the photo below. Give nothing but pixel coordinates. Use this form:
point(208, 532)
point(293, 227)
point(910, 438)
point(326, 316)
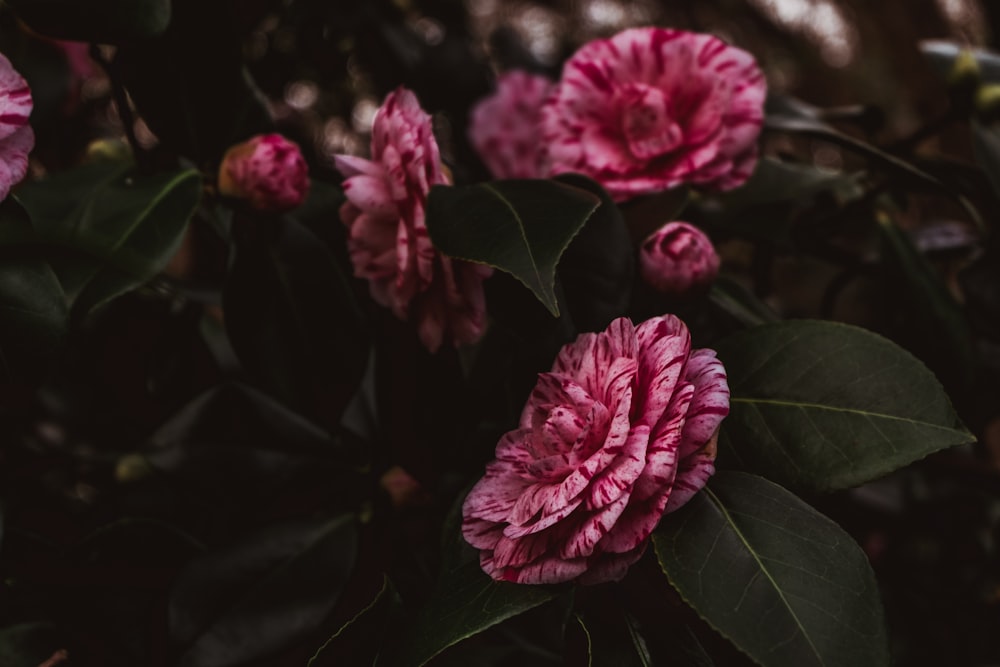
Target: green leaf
point(781, 581)
point(986, 146)
point(934, 310)
point(32, 318)
point(598, 268)
point(255, 597)
point(105, 229)
point(645, 215)
point(825, 406)
point(363, 635)
point(518, 226)
point(465, 602)
point(774, 181)
point(739, 303)
point(28, 644)
point(614, 641)
point(101, 21)
point(292, 317)
point(797, 118)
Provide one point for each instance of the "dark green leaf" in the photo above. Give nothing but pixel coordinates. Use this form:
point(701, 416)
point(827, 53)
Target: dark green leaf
point(597, 270)
point(292, 317)
point(464, 603)
point(806, 124)
point(101, 21)
point(231, 454)
point(32, 318)
point(363, 637)
point(105, 229)
point(255, 597)
point(190, 84)
point(614, 642)
point(938, 315)
point(781, 581)
point(518, 226)
point(645, 215)
point(986, 146)
point(739, 303)
point(941, 55)
point(28, 644)
point(776, 181)
point(824, 406)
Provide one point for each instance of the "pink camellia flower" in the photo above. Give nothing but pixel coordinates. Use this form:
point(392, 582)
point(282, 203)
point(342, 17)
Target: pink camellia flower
point(678, 258)
point(505, 129)
point(268, 171)
point(622, 430)
point(387, 233)
point(652, 108)
point(16, 136)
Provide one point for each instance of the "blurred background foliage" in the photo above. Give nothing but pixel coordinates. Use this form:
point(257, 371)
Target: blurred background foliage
point(153, 501)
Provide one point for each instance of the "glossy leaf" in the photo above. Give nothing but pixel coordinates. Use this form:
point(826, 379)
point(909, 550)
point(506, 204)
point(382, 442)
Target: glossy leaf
point(32, 318)
point(986, 146)
point(465, 602)
point(788, 118)
point(105, 229)
point(824, 406)
point(778, 579)
point(598, 268)
point(100, 21)
point(248, 600)
point(292, 317)
point(739, 303)
point(934, 309)
point(190, 84)
point(363, 637)
point(616, 643)
point(645, 215)
point(518, 226)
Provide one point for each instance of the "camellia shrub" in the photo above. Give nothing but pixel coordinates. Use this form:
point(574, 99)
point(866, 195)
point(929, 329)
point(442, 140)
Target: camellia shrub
point(329, 337)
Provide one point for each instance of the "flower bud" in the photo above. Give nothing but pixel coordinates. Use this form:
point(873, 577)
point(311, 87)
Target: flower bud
point(988, 102)
point(678, 259)
point(268, 171)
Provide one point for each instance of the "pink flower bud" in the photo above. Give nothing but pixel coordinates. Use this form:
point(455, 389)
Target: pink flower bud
point(266, 170)
point(16, 136)
point(678, 258)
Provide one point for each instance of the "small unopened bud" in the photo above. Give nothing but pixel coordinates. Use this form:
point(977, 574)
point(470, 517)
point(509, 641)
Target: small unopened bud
point(268, 171)
point(964, 71)
point(132, 468)
point(988, 101)
point(678, 259)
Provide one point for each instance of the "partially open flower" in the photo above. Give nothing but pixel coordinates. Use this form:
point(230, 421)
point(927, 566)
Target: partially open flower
point(16, 136)
point(652, 108)
point(678, 258)
point(268, 171)
point(505, 129)
point(387, 232)
point(622, 430)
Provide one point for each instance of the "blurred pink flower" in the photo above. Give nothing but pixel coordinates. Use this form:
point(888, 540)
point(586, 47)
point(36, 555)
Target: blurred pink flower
point(16, 136)
point(504, 127)
point(267, 170)
point(652, 108)
point(678, 258)
point(621, 431)
point(387, 233)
